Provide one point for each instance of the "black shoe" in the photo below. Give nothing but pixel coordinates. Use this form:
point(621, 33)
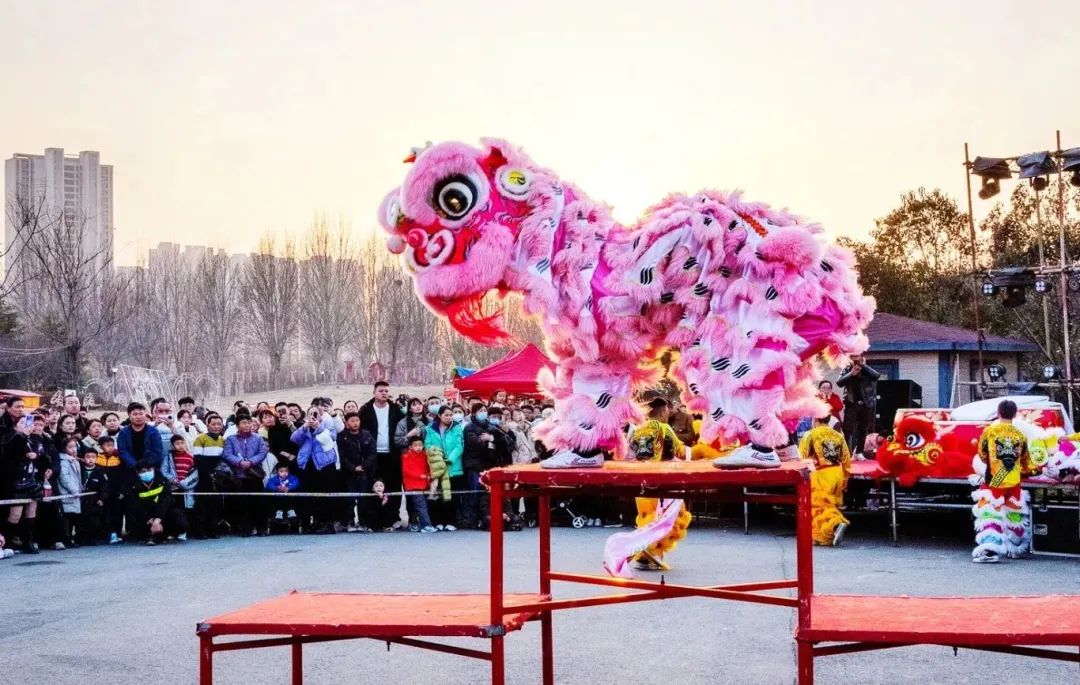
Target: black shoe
point(245, 534)
point(261, 533)
point(213, 536)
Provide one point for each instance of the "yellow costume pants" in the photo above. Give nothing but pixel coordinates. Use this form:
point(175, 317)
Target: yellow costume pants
point(826, 497)
point(646, 507)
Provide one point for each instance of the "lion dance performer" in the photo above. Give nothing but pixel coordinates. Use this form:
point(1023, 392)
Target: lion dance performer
point(747, 294)
point(832, 466)
point(661, 523)
point(1002, 512)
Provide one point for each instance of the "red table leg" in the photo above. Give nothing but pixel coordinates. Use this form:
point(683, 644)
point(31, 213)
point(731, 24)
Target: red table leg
point(546, 654)
point(206, 660)
point(804, 550)
point(498, 665)
point(297, 663)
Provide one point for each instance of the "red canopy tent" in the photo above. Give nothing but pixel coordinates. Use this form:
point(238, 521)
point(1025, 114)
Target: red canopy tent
point(515, 373)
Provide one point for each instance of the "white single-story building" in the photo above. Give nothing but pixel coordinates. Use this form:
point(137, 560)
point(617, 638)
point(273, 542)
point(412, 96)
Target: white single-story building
point(936, 356)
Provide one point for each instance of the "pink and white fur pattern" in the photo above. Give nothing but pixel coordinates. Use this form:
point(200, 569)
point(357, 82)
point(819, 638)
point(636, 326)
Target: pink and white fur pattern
point(751, 297)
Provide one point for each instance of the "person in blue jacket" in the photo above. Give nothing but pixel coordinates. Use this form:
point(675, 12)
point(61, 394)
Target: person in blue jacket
point(282, 481)
point(317, 460)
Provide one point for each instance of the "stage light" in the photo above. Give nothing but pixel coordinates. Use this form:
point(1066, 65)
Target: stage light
point(1042, 285)
point(988, 288)
point(1050, 372)
point(996, 372)
point(1037, 166)
point(990, 188)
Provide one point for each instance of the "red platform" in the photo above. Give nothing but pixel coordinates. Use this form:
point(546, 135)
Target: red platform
point(306, 617)
point(996, 624)
point(668, 476)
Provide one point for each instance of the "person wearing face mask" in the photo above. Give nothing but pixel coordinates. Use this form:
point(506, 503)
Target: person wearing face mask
point(154, 514)
point(434, 404)
point(487, 445)
point(444, 443)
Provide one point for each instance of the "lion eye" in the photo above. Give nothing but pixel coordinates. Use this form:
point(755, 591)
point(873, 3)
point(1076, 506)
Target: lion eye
point(454, 197)
point(913, 440)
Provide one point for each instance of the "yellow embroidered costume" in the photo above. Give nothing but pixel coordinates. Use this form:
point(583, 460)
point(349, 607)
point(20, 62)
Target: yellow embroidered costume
point(1002, 513)
point(656, 441)
point(832, 465)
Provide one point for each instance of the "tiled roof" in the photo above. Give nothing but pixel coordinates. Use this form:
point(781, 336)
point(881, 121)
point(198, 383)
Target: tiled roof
point(892, 333)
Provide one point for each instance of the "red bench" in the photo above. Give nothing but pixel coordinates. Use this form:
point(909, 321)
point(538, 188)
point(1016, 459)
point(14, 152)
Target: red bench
point(306, 617)
point(1013, 625)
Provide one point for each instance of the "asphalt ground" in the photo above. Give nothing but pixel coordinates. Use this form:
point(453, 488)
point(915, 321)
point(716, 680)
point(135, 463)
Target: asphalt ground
point(127, 614)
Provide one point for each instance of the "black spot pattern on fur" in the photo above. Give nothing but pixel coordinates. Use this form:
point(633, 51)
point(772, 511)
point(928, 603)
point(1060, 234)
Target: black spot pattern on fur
point(585, 426)
point(603, 401)
point(825, 266)
point(755, 425)
point(694, 389)
point(741, 371)
point(725, 272)
point(690, 263)
point(665, 298)
point(646, 275)
point(757, 253)
point(701, 290)
point(543, 265)
point(707, 221)
point(771, 293)
point(697, 341)
point(717, 414)
point(720, 363)
point(732, 225)
point(637, 241)
point(588, 302)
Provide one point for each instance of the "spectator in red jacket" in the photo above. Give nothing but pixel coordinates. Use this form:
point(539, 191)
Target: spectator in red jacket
point(416, 477)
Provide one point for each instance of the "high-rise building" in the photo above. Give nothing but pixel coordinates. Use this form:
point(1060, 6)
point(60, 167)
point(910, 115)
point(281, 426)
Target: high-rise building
point(76, 188)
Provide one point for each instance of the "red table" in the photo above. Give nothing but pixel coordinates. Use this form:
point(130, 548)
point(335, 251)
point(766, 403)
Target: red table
point(650, 479)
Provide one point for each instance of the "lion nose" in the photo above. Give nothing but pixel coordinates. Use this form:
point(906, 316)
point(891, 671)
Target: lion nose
point(416, 238)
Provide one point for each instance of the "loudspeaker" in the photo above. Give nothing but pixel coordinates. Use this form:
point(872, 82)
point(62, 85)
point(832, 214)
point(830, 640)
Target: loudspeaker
point(893, 395)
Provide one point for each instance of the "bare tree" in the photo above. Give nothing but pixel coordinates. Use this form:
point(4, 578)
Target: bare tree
point(271, 280)
point(174, 299)
point(330, 283)
point(69, 294)
point(217, 303)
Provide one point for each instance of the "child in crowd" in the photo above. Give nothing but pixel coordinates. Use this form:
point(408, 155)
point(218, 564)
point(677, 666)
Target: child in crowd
point(383, 514)
point(416, 478)
point(90, 520)
point(187, 477)
point(152, 511)
point(70, 482)
point(283, 481)
point(116, 479)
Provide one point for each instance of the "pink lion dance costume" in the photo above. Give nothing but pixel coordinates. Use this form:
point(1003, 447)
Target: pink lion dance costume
point(750, 296)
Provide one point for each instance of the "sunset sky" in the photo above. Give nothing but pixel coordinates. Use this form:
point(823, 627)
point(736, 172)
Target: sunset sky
point(227, 119)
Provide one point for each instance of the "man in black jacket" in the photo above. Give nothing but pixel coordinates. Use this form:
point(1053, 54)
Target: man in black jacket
point(359, 462)
point(860, 401)
point(486, 446)
point(380, 417)
point(154, 513)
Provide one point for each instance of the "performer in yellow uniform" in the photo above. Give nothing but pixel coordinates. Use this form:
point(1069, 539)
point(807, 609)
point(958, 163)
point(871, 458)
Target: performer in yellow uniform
point(1002, 512)
point(656, 441)
point(832, 465)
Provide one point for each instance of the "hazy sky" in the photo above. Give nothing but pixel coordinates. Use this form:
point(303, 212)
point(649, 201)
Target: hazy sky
point(226, 119)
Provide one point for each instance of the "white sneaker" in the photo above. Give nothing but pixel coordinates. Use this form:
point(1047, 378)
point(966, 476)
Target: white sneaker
point(290, 514)
point(182, 537)
point(838, 534)
point(748, 457)
point(114, 539)
point(985, 557)
point(450, 529)
point(566, 459)
point(6, 553)
point(279, 515)
point(59, 547)
point(427, 529)
point(440, 527)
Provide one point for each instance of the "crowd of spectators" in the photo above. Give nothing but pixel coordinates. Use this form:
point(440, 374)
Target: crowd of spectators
point(164, 472)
